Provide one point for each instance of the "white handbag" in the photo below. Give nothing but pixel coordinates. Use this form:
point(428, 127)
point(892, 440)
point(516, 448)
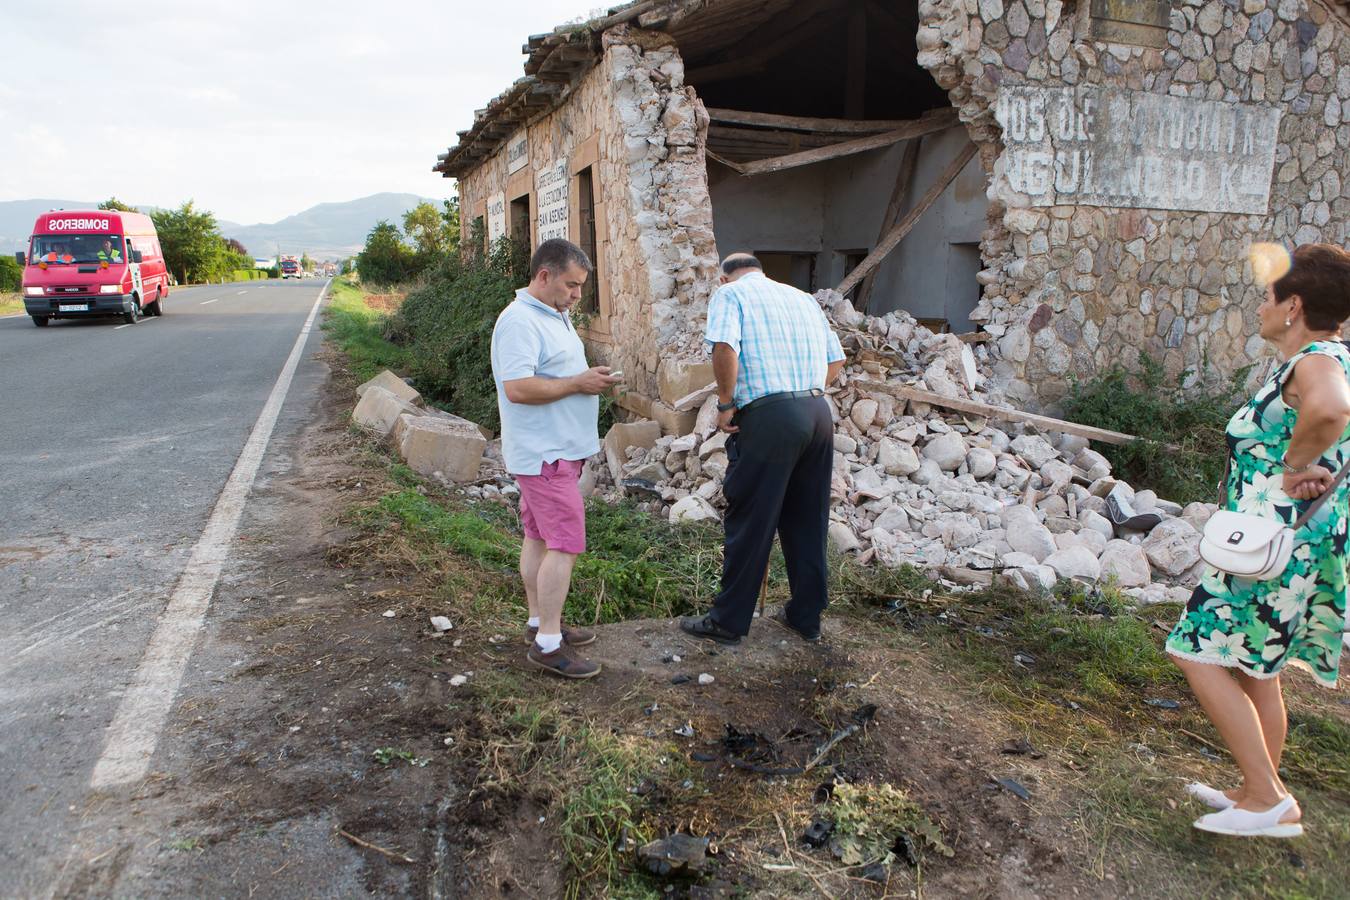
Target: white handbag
point(1251, 546)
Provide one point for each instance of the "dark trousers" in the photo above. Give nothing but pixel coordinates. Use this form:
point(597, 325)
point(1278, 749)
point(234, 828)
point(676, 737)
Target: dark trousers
point(781, 462)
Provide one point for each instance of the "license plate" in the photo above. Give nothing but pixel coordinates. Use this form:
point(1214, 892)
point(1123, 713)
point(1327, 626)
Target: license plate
point(74, 307)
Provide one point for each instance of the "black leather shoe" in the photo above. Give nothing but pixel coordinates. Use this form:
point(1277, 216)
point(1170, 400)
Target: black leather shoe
point(705, 627)
point(811, 637)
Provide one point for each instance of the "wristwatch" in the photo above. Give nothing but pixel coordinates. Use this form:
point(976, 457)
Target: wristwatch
point(724, 407)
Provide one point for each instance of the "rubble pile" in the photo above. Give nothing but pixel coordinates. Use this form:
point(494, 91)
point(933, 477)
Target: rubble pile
point(949, 493)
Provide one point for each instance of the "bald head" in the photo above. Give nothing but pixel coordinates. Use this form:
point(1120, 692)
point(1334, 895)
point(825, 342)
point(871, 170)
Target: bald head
point(738, 264)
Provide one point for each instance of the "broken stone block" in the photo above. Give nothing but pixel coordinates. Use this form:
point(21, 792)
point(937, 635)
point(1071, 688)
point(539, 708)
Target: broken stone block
point(673, 422)
point(379, 411)
point(1173, 546)
point(981, 462)
point(1075, 562)
point(678, 378)
point(394, 385)
point(1035, 450)
point(693, 509)
point(1035, 540)
point(623, 435)
point(897, 458)
point(947, 450)
point(1127, 563)
point(431, 444)
point(842, 538)
point(678, 854)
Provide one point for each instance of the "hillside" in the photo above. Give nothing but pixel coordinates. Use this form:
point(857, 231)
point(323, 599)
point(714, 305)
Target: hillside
point(322, 231)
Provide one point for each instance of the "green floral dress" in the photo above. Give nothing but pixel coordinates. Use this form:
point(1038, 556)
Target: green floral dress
point(1297, 619)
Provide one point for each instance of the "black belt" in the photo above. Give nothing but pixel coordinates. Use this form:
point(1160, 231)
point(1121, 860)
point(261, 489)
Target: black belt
point(786, 395)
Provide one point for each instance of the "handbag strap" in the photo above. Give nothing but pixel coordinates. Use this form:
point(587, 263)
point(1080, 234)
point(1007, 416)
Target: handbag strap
point(1307, 513)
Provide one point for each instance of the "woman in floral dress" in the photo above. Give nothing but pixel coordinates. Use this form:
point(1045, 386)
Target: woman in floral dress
point(1237, 635)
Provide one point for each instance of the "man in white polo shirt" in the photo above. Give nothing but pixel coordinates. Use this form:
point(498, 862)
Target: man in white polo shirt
point(549, 401)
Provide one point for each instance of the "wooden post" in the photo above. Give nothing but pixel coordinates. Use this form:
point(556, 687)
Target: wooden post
point(893, 209)
point(902, 228)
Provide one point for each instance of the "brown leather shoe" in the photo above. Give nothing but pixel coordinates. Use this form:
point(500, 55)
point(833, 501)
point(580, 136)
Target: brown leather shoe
point(563, 662)
point(572, 637)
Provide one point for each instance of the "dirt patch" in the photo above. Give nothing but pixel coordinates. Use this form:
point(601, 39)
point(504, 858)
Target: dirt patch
point(338, 743)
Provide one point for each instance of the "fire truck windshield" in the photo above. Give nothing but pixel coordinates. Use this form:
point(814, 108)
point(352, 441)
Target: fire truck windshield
point(73, 249)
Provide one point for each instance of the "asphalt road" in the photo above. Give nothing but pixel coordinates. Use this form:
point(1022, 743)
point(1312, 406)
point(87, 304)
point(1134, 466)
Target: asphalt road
point(115, 443)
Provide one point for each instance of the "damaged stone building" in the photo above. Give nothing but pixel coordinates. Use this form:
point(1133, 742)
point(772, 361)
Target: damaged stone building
point(1066, 183)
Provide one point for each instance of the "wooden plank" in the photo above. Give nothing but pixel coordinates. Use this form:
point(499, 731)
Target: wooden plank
point(893, 211)
point(823, 126)
point(735, 167)
point(1007, 414)
point(846, 148)
point(903, 227)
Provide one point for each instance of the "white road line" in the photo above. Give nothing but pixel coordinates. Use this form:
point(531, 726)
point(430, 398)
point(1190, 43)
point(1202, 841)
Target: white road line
point(120, 327)
point(241, 292)
point(15, 316)
point(212, 300)
point(135, 729)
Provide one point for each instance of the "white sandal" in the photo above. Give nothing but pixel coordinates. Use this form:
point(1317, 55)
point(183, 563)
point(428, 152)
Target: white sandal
point(1214, 799)
point(1249, 823)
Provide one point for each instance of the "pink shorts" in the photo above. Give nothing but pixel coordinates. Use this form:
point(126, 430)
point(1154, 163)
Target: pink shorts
point(551, 509)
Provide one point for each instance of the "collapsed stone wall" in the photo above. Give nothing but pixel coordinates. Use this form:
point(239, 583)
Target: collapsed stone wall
point(663, 257)
point(1071, 289)
point(660, 259)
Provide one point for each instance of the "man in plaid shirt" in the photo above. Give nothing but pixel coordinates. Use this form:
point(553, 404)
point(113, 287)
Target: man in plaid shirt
point(773, 353)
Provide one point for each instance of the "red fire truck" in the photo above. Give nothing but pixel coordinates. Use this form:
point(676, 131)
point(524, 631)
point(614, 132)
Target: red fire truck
point(93, 263)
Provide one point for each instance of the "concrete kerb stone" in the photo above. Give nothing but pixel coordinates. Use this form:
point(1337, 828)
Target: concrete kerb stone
point(378, 410)
point(394, 385)
point(452, 447)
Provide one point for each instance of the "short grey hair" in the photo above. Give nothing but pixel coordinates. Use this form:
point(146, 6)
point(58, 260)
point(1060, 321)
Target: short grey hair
point(558, 255)
point(740, 260)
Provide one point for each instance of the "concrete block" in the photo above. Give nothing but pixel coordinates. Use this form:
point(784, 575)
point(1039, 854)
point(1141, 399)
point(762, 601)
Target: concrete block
point(624, 435)
point(378, 410)
point(394, 385)
point(677, 378)
point(442, 414)
point(672, 422)
point(431, 444)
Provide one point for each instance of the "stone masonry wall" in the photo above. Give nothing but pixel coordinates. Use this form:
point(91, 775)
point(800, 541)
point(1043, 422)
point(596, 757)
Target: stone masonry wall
point(656, 235)
point(1070, 289)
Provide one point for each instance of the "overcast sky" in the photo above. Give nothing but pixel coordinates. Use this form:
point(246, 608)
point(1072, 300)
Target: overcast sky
point(255, 110)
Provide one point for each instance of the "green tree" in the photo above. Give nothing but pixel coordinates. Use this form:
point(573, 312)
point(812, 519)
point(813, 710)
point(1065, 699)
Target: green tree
point(11, 275)
point(115, 204)
point(192, 245)
point(450, 213)
point(427, 229)
point(306, 263)
point(385, 259)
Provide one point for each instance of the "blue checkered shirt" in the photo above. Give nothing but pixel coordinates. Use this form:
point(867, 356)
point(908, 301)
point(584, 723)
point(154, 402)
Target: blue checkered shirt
point(780, 334)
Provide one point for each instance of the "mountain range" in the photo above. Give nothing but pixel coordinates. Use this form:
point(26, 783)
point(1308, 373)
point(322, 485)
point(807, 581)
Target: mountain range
point(325, 231)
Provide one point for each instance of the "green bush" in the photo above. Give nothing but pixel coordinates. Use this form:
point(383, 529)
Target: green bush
point(11, 275)
point(446, 325)
point(1183, 447)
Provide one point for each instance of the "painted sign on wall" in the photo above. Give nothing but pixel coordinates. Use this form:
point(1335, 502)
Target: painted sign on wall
point(517, 152)
point(496, 217)
point(1109, 147)
point(551, 201)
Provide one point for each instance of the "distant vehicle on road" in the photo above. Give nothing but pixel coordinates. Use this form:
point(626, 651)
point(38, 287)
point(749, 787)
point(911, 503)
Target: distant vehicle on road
point(290, 268)
point(93, 263)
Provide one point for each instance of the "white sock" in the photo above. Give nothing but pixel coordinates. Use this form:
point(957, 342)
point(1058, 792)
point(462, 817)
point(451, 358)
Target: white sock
point(533, 623)
point(548, 642)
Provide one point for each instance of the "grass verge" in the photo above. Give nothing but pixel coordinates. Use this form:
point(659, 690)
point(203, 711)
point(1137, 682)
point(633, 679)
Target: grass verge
point(358, 331)
point(11, 304)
